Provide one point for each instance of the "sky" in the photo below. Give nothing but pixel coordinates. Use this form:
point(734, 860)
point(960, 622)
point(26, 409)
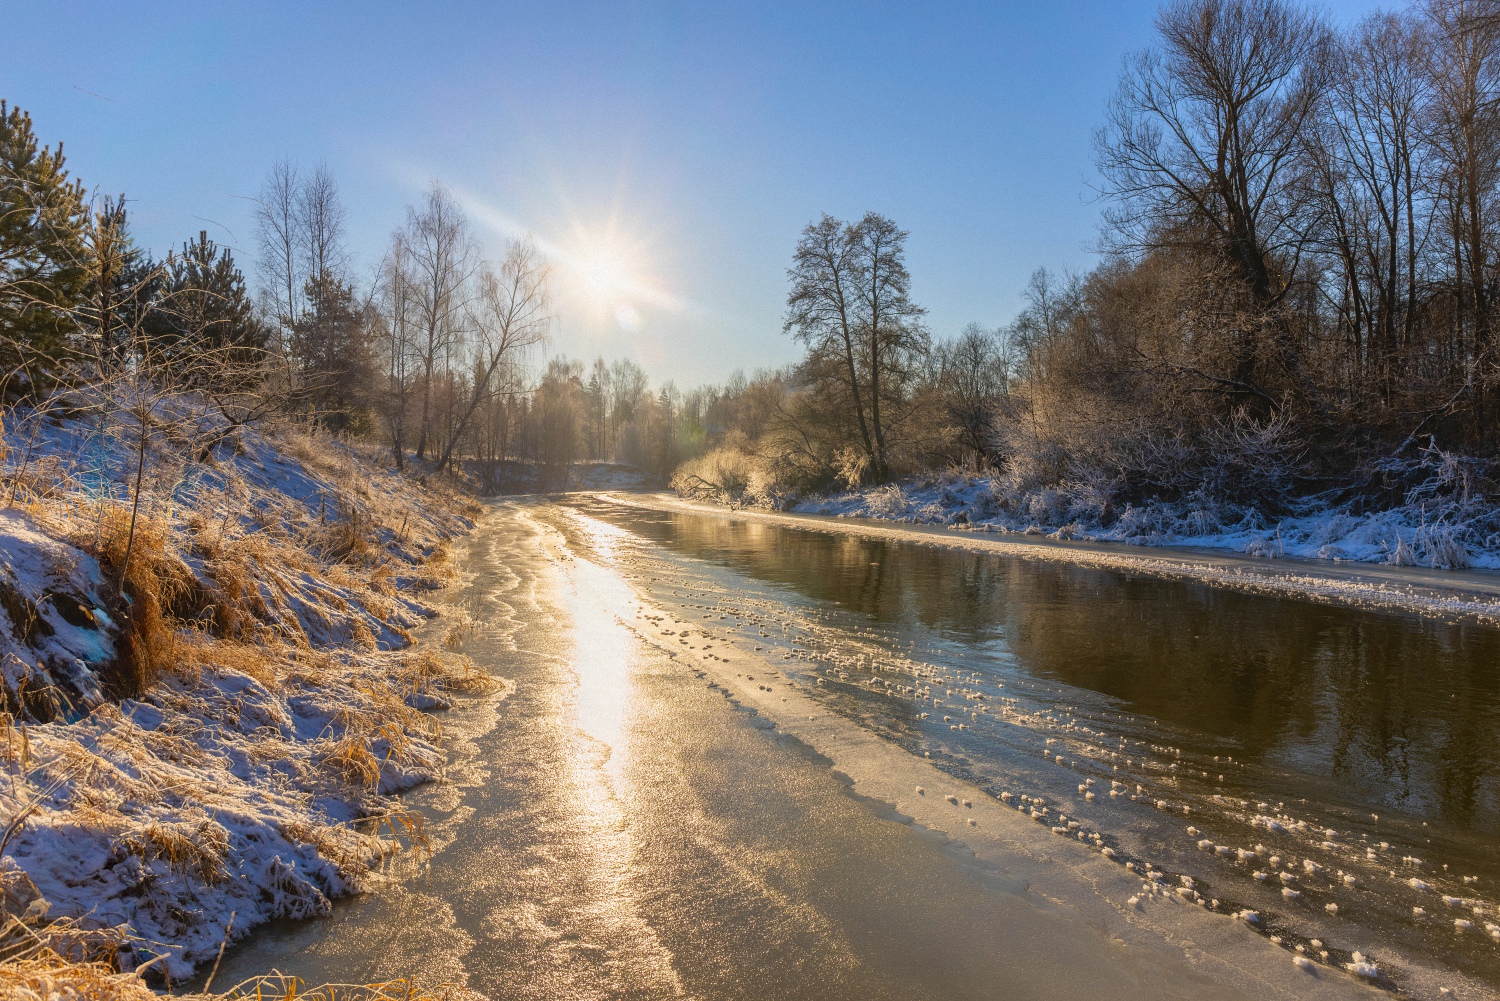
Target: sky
point(663, 156)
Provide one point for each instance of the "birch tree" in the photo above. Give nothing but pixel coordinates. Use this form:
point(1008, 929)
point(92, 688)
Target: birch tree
point(442, 261)
point(509, 316)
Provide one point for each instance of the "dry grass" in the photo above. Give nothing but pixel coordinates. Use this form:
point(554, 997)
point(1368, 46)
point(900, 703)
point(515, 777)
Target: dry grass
point(352, 757)
point(197, 652)
point(349, 849)
point(278, 987)
point(253, 618)
point(198, 848)
point(65, 962)
point(156, 583)
point(426, 670)
point(38, 973)
point(48, 977)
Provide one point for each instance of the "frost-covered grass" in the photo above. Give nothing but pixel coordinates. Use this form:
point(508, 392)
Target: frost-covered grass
point(222, 738)
point(1433, 523)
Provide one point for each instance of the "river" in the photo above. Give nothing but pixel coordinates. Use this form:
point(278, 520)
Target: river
point(725, 765)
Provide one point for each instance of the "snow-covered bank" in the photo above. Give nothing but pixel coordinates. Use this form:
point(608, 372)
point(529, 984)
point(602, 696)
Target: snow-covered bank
point(1436, 593)
point(1445, 534)
point(189, 759)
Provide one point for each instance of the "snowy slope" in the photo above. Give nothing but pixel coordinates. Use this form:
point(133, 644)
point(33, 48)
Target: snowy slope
point(202, 745)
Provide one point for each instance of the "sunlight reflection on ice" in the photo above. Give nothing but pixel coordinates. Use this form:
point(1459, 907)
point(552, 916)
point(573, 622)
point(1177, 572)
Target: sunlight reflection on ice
point(603, 648)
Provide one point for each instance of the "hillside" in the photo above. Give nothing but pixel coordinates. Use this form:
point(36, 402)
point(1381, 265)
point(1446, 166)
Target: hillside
point(198, 743)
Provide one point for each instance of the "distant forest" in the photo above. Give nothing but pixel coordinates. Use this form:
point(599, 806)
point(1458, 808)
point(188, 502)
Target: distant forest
point(1297, 298)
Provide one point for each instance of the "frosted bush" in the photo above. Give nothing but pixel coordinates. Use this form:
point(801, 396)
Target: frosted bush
point(1268, 548)
point(1333, 529)
point(887, 502)
point(984, 505)
point(1141, 523)
point(1438, 547)
point(1403, 555)
point(851, 466)
point(1200, 521)
point(1046, 505)
point(933, 512)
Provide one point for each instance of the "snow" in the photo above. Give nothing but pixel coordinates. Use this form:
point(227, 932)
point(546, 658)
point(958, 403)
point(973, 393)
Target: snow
point(1402, 535)
point(288, 707)
point(53, 624)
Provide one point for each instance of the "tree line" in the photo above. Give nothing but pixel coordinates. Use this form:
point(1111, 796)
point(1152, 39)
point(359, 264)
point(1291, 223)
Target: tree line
point(1297, 294)
point(437, 351)
point(1300, 266)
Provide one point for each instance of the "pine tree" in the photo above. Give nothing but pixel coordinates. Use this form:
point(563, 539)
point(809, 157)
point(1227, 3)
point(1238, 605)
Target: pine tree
point(204, 306)
point(335, 350)
point(122, 283)
point(43, 270)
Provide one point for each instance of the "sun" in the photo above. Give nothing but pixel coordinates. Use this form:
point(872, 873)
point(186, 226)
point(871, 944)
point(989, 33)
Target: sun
point(609, 274)
point(603, 273)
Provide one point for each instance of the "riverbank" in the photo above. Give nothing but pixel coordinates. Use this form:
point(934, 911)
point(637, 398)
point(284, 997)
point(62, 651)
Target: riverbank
point(210, 679)
point(1472, 594)
point(1432, 513)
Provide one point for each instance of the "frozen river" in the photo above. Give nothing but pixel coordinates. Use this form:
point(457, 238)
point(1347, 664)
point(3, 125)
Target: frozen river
point(705, 781)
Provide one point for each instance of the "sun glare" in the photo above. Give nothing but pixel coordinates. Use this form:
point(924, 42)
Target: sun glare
point(611, 276)
point(603, 273)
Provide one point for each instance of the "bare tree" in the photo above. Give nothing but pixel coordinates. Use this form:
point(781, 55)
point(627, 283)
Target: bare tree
point(889, 321)
point(850, 303)
point(442, 262)
point(598, 392)
point(1203, 139)
point(1366, 161)
point(823, 306)
point(627, 391)
point(398, 316)
point(974, 378)
point(1464, 130)
point(279, 221)
point(320, 223)
point(509, 316)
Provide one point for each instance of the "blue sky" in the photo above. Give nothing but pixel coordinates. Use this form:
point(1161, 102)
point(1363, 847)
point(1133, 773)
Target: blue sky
point(666, 155)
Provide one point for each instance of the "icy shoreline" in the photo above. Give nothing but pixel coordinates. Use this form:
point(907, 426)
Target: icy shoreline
point(1435, 593)
point(1409, 535)
point(1077, 890)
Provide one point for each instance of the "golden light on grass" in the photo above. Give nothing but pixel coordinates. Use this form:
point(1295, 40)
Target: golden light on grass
point(245, 605)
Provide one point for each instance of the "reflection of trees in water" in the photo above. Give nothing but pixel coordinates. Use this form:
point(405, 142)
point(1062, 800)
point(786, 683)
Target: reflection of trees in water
point(940, 589)
point(1394, 708)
